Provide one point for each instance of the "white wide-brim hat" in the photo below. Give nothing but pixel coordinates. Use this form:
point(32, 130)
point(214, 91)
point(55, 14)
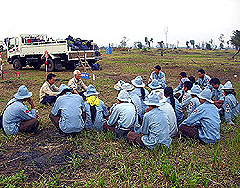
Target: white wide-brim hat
point(154, 84)
point(153, 100)
point(138, 82)
point(196, 90)
point(118, 85)
point(91, 90)
point(227, 86)
point(206, 95)
point(124, 96)
point(63, 87)
point(23, 93)
point(127, 87)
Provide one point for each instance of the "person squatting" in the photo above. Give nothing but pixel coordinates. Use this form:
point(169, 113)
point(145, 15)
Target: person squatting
point(148, 117)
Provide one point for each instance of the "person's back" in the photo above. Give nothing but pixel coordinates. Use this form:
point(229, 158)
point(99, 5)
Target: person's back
point(207, 117)
point(155, 129)
point(101, 112)
point(137, 91)
point(124, 114)
point(168, 109)
point(69, 106)
point(231, 108)
point(194, 103)
point(137, 102)
point(14, 114)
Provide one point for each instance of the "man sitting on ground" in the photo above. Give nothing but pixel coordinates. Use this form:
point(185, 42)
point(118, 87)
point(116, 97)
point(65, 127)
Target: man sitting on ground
point(123, 117)
point(217, 92)
point(159, 76)
point(17, 117)
point(77, 84)
point(68, 111)
point(203, 79)
point(48, 91)
point(155, 128)
point(180, 86)
point(204, 122)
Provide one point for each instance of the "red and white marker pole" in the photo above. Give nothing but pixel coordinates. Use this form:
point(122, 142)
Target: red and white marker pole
point(46, 56)
point(1, 65)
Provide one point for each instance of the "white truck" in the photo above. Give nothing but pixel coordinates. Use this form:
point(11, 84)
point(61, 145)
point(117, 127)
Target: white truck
point(29, 49)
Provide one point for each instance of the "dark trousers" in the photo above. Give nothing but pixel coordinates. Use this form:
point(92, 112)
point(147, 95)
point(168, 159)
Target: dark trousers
point(55, 120)
point(49, 100)
point(118, 132)
point(191, 132)
point(29, 126)
point(135, 139)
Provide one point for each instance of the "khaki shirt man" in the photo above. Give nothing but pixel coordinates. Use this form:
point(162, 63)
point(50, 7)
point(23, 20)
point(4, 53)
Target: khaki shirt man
point(49, 91)
point(76, 83)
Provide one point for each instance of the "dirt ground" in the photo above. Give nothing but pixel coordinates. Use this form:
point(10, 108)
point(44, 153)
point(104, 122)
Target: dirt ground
point(48, 153)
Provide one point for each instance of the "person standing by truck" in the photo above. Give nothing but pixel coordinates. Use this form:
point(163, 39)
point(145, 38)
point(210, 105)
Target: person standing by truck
point(48, 91)
point(77, 84)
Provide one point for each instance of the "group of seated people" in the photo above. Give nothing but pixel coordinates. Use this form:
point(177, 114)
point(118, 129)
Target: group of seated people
point(146, 116)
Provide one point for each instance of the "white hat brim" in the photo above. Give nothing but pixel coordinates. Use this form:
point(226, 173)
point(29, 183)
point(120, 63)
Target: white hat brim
point(136, 85)
point(23, 97)
point(152, 104)
point(87, 95)
point(199, 96)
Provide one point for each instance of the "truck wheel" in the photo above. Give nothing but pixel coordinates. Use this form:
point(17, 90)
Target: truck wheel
point(17, 64)
point(50, 64)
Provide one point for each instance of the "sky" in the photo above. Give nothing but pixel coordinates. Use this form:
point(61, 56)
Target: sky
point(108, 21)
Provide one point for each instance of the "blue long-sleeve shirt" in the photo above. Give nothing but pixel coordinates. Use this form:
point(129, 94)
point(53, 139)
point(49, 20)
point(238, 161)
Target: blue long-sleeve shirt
point(206, 118)
point(205, 81)
point(70, 107)
point(161, 78)
point(231, 108)
point(178, 110)
point(14, 114)
point(137, 91)
point(124, 114)
point(218, 93)
point(155, 129)
point(194, 103)
point(101, 111)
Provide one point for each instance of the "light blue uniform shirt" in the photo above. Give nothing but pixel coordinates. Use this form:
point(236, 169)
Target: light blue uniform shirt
point(186, 99)
point(206, 117)
point(218, 93)
point(205, 81)
point(70, 107)
point(15, 114)
point(168, 109)
point(137, 91)
point(101, 111)
point(161, 78)
point(194, 103)
point(178, 110)
point(155, 129)
point(137, 103)
point(124, 114)
point(231, 108)
point(178, 88)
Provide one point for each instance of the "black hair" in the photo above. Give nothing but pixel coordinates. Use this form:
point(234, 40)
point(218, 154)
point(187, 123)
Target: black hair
point(192, 79)
point(50, 76)
point(188, 85)
point(168, 91)
point(183, 74)
point(93, 111)
point(143, 93)
point(157, 67)
point(202, 71)
point(153, 106)
point(214, 81)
